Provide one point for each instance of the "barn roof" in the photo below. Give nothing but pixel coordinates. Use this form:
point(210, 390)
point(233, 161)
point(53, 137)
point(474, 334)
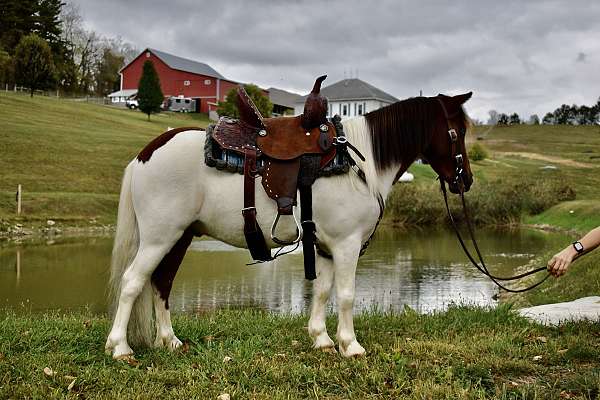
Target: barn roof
point(182, 64)
point(354, 89)
point(283, 98)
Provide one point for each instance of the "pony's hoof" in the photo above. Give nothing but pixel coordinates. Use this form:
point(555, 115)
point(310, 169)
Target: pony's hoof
point(122, 352)
point(323, 342)
point(170, 342)
point(354, 349)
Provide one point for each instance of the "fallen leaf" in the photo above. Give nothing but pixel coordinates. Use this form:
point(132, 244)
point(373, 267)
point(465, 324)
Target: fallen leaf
point(195, 366)
point(542, 339)
point(71, 385)
point(280, 355)
point(129, 359)
point(566, 395)
point(185, 347)
point(224, 396)
point(513, 383)
point(295, 343)
point(413, 364)
point(226, 359)
point(537, 358)
point(562, 351)
point(330, 350)
point(69, 377)
point(87, 323)
point(26, 333)
point(409, 339)
point(208, 338)
point(48, 371)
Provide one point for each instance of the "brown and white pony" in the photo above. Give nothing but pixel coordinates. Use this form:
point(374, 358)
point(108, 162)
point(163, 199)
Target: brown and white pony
point(169, 196)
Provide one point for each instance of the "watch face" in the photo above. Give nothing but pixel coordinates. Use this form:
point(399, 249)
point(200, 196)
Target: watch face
point(578, 246)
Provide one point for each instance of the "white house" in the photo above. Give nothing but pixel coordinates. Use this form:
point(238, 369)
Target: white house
point(121, 96)
point(351, 97)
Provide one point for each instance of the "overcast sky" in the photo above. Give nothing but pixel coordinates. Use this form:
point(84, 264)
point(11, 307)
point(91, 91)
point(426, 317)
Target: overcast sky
point(516, 56)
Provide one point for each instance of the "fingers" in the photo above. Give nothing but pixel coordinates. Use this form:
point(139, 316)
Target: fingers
point(558, 266)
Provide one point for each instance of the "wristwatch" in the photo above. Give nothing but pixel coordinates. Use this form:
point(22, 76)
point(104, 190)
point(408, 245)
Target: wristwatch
point(578, 247)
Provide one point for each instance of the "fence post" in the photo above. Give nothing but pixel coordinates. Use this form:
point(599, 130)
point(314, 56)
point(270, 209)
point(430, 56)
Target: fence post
point(19, 194)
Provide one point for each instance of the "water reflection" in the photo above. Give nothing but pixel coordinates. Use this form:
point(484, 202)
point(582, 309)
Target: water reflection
point(425, 270)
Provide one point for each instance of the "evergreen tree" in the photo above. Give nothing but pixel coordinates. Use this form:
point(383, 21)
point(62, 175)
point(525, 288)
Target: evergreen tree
point(150, 96)
point(229, 106)
point(534, 120)
point(34, 67)
point(6, 68)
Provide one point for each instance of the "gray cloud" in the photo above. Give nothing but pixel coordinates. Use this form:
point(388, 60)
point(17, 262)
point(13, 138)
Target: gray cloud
point(515, 56)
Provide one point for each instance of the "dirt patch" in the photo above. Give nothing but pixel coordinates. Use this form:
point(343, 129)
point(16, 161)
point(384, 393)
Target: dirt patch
point(550, 159)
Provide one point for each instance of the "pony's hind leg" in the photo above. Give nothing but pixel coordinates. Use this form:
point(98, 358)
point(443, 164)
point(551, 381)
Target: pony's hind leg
point(162, 282)
point(345, 259)
point(133, 281)
point(321, 292)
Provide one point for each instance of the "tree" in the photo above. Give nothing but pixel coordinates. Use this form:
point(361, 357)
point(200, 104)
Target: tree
point(502, 119)
point(514, 119)
point(229, 106)
point(6, 68)
point(493, 120)
point(548, 119)
point(34, 67)
point(534, 120)
point(107, 74)
point(150, 95)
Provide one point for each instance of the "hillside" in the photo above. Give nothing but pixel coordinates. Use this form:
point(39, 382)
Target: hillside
point(69, 156)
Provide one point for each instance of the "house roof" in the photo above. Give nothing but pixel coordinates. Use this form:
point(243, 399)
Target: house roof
point(283, 98)
point(123, 93)
point(182, 64)
point(354, 89)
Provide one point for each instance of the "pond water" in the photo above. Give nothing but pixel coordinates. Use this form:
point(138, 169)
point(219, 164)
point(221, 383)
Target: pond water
point(425, 270)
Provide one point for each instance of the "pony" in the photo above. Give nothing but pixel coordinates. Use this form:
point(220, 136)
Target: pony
point(169, 196)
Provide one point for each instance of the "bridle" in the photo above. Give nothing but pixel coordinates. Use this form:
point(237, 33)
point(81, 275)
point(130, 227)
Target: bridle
point(457, 180)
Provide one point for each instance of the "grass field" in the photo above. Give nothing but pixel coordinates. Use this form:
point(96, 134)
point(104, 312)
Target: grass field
point(69, 156)
point(460, 354)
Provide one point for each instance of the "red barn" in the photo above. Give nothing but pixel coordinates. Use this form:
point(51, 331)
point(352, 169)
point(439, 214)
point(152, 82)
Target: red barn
point(178, 77)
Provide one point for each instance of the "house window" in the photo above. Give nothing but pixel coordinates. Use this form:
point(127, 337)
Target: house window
point(207, 81)
point(177, 100)
point(187, 101)
point(360, 109)
point(186, 83)
point(345, 109)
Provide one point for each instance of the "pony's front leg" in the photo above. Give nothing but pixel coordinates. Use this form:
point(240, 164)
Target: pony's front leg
point(345, 257)
point(321, 291)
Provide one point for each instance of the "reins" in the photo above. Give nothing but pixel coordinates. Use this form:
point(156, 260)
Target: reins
point(458, 180)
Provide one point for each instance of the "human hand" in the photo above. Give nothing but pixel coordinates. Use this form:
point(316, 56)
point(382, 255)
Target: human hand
point(560, 262)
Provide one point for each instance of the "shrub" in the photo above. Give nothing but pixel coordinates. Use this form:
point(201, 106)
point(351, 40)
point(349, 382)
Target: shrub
point(477, 152)
point(501, 202)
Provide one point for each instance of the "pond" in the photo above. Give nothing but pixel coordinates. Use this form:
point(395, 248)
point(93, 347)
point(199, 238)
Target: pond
point(425, 270)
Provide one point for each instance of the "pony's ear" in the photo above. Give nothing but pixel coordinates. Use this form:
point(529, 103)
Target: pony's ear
point(462, 98)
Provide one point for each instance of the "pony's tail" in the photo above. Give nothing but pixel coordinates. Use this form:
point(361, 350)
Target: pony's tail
point(125, 248)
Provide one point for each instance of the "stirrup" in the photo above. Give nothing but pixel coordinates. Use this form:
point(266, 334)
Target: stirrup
point(298, 229)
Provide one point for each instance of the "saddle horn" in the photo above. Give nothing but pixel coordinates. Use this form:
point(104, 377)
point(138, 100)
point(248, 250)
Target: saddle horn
point(315, 107)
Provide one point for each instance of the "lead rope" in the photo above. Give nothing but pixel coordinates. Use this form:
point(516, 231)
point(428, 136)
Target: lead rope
point(483, 268)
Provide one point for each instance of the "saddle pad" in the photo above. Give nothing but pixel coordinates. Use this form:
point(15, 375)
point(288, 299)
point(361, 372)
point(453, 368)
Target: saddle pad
point(286, 139)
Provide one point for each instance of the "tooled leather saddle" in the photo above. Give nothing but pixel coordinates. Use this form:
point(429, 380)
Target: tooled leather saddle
point(292, 150)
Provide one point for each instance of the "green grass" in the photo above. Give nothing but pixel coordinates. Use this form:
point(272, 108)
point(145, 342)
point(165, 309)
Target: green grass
point(69, 156)
point(461, 354)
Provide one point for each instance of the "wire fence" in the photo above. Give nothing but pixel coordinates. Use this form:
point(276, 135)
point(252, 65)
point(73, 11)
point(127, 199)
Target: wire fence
point(58, 94)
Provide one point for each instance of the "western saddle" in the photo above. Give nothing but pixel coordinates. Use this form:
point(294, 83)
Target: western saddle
point(292, 150)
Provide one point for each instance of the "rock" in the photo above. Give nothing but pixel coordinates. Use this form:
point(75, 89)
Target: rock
point(50, 222)
point(554, 314)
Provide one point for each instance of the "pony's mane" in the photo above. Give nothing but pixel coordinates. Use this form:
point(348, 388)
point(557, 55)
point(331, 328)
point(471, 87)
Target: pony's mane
point(393, 134)
point(404, 129)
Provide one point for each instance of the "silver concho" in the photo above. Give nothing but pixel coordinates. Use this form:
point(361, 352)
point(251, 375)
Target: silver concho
point(324, 128)
point(262, 132)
